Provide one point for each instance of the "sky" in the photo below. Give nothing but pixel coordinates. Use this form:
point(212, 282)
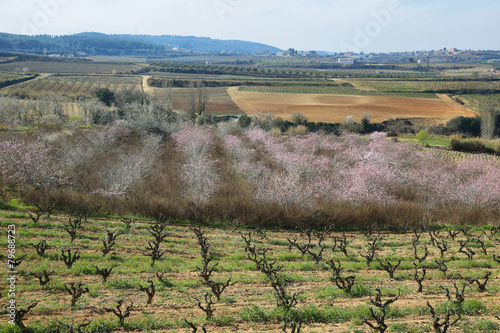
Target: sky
point(326, 25)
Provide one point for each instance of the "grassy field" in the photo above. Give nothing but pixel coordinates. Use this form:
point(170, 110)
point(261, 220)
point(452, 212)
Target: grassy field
point(5, 77)
point(432, 141)
point(5, 59)
point(390, 217)
point(247, 304)
point(479, 102)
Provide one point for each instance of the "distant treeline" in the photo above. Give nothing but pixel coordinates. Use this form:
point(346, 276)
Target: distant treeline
point(179, 83)
point(93, 43)
point(174, 67)
point(81, 44)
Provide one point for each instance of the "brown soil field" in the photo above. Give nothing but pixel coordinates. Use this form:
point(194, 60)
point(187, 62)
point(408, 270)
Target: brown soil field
point(335, 108)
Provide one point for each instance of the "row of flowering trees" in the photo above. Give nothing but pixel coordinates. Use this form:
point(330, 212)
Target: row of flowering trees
point(362, 170)
point(303, 172)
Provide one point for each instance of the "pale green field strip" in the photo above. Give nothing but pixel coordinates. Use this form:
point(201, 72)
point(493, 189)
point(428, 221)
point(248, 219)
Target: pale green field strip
point(423, 86)
point(334, 90)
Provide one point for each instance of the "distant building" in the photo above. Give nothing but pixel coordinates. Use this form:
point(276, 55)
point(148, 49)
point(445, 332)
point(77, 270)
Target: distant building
point(265, 53)
point(180, 49)
point(454, 50)
point(346, 61)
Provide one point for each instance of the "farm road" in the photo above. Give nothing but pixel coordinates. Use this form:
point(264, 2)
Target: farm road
point(460, 108)
point(146, 88)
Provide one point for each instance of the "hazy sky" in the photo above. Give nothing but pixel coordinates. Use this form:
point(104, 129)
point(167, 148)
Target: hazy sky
point(330, 25)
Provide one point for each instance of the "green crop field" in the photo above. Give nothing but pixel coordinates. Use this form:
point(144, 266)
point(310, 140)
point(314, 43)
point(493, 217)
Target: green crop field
point(480, 102)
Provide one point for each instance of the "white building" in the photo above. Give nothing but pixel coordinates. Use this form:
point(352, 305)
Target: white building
point(346, 61)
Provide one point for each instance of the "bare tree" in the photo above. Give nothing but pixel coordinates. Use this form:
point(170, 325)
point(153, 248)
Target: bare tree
point(76, 290)
point(488, 117)
point(43, 277)
point(439, 324)
point(20, 313)
point(104, 272)
point(120, 313)
point(150, 290)
point(198, 98)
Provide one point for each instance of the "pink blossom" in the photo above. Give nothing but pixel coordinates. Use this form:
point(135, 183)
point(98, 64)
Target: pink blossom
point(31, 164)
point(199, 172)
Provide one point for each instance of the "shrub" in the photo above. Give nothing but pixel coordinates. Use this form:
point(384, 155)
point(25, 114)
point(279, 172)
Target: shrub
point(423, 136)
point(244, 121)
point(97, 113)
point(298, 118)
point(471, 145)
point(275, 131)
point(153, 117)
point(466, 125)
point(105, 95)
point(297, 130)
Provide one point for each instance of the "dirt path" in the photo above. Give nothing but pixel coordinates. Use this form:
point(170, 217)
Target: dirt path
point(146, 88)
point(240, 101)
point(449, 101)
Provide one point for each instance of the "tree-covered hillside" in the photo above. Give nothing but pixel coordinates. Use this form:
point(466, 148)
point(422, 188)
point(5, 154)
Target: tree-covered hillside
point(121, 45)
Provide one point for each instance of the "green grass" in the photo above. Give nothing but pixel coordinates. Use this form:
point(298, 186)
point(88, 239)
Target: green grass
point(471, 307)
point(432, 141)
point(482, 325)
point(13, 204)
point(317, 305)
point(407, 328)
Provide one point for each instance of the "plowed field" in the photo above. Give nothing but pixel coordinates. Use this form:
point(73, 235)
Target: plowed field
point(335, 108)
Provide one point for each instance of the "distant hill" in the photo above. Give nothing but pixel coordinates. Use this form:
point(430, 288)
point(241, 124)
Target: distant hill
point(92, 43)
point(204, 44)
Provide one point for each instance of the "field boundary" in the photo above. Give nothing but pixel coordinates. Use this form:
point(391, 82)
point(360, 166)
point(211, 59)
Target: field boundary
point(240, 100)
point(448, 100)
point(39, 77)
